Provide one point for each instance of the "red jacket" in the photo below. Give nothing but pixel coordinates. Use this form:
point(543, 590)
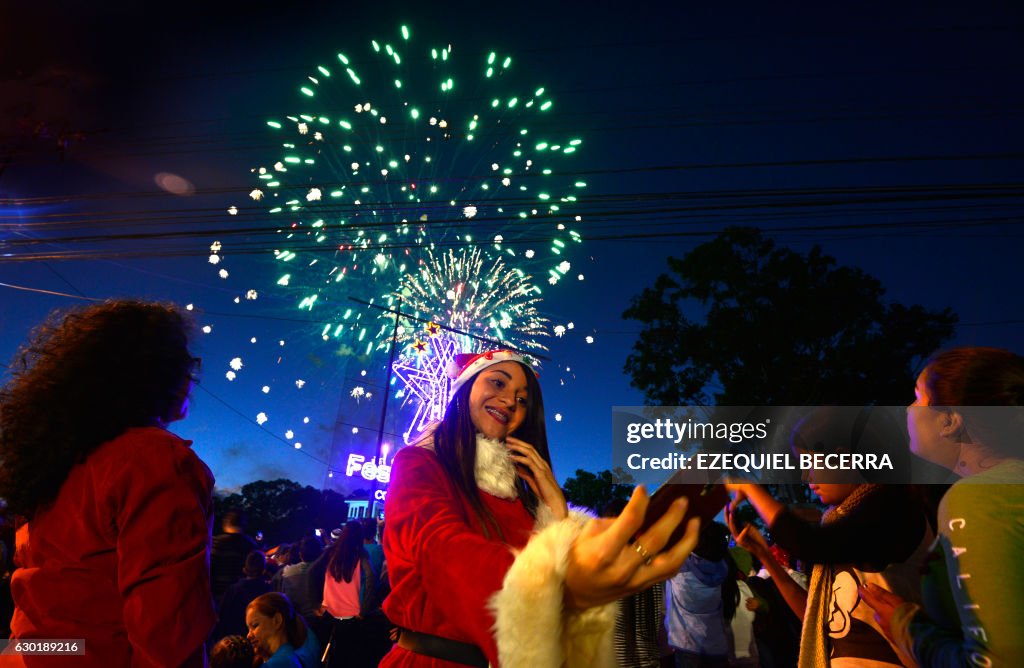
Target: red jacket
point(121, 558)
point(443, 570)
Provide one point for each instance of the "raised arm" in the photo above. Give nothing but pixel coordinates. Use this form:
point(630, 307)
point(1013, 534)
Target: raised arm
point(751, 540)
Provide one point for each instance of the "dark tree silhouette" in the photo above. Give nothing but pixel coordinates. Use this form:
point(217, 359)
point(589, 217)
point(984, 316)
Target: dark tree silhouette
point(283, 509)
point(740, 321)
point(594, 491)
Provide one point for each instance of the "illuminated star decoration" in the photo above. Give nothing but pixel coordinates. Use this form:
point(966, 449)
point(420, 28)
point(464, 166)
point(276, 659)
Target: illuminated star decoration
point(426, 377)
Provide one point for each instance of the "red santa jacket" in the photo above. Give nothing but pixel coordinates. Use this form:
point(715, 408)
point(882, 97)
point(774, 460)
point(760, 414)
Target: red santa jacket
point(121, 558)
point(504, 596)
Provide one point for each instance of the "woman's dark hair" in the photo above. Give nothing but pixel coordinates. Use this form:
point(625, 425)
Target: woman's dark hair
point(275, 603)
point(346, 552)
point(975, 377)
point(255, 564)
point(455, 444)
point(232, 652)
point(310, 548)
point(294, 554)
point(83, 378)
point(873, 430)
point(369, 529)
point(713, 545)
point(985, 378)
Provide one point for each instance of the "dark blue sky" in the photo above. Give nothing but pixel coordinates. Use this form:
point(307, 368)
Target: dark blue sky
point(679, 109)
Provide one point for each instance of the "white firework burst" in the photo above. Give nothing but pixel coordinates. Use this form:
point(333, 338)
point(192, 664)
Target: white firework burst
point(471, 293)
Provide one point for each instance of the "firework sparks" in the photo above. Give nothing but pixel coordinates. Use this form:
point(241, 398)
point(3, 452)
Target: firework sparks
point(470, 293)
point(437, 181)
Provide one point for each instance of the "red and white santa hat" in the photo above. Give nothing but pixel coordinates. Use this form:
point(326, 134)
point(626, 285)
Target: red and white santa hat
point(466, 366)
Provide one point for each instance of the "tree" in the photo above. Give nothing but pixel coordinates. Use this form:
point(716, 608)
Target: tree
point(283, 509)
point(739, 321)
point(595, 491)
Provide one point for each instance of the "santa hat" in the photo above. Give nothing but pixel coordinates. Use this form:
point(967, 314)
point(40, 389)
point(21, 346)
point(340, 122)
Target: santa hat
point(465, 366)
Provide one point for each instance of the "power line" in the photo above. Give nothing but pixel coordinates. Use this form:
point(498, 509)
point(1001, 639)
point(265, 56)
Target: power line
point(254, 249)
point(326, 185)
point(769, 201)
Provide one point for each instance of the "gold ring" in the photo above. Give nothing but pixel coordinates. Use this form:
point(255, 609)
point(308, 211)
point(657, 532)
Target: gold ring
point(642, 551)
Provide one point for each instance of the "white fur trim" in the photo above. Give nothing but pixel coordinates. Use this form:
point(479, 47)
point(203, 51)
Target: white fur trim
point(495, 473)
point(494, 470)
point(531, 628)
point(545, 517)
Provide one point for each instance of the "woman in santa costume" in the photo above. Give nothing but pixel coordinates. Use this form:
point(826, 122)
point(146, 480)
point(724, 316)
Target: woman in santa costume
point(487, 563)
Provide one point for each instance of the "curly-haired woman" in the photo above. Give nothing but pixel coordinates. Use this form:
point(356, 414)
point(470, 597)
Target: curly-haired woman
point(115, 549)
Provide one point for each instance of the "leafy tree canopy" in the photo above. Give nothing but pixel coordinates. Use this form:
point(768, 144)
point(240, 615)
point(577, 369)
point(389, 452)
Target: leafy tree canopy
point(595, 491)
point(282, 509)
point(740, 321)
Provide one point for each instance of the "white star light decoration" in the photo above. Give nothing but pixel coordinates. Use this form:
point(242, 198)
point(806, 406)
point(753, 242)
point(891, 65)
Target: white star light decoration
point(426, 377)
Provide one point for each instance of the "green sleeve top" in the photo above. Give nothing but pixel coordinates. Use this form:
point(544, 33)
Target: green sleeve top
point(973, 612)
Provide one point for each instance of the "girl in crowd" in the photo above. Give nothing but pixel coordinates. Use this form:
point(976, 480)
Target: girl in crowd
point(116, 548)
point(349, 596)
point(487, 564)
point(874, 533)
point(968, 417)
point(279, 634)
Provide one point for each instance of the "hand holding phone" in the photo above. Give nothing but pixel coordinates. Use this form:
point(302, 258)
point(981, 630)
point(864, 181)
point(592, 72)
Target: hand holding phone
point(704, 501)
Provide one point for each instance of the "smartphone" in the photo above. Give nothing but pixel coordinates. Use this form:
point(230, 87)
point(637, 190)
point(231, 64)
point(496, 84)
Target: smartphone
point(706, 500)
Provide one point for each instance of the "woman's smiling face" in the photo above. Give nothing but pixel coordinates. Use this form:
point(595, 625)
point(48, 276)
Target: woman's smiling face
point(265, 633)
point(498, 400)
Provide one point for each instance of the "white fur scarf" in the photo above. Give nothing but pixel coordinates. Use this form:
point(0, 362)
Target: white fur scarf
point(495, 471)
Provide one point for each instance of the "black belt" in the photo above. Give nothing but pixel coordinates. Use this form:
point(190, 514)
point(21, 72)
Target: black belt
point(442, 648)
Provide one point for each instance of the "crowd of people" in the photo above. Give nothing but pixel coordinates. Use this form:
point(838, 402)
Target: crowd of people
point(483, 562)
point(334, 588)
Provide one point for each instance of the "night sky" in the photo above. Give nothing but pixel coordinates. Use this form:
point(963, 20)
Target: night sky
point(688, 115)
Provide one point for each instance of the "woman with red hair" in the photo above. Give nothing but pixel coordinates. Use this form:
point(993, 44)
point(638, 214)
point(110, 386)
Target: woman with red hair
point(968, 416)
